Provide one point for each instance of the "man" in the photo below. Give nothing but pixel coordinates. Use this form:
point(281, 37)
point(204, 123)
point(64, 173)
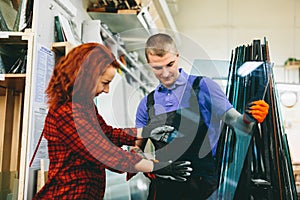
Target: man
point(195, 107)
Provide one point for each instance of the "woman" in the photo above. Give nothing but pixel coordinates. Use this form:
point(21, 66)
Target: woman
point(80, 144)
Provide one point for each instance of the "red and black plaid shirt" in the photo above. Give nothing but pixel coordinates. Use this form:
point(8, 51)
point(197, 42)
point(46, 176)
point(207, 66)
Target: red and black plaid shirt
point(80, 146)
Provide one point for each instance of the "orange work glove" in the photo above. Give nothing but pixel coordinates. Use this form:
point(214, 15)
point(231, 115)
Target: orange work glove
point(256, 111)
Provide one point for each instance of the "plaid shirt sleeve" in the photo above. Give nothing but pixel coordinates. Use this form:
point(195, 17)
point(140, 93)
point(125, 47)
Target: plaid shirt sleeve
point(118, 136)
point(84, 135)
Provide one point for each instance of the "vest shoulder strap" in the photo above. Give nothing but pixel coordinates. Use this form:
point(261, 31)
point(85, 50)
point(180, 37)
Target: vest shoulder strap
point(196, 84)
point(150, 97)
point(150, 104)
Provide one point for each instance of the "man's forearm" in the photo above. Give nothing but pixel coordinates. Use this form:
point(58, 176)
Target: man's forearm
point(235, 120)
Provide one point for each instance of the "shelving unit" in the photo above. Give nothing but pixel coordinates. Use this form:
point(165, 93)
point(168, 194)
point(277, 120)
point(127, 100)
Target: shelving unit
point(61, 49)
point(137, 66)
point(296, 170)
point(133, 30)
point(14, 101)
point(15, 82)
point(292, 70)
point(119, 23)
point(292, 65)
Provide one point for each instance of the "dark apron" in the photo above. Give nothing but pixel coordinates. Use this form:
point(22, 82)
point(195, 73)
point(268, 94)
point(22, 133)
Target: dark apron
point(184, 145)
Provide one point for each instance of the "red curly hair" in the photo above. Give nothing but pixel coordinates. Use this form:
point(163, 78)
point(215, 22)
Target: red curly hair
point(77, 73)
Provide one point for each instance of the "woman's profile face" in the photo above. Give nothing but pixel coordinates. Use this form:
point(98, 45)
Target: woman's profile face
point(104, 80)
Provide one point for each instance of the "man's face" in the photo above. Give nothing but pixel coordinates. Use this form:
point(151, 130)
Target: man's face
point(165, 68)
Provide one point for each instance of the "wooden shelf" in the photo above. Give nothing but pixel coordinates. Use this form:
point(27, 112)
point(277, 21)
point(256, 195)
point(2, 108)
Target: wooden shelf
point(292, 65)
point(61, 48)
point(15, 82)
point(15, 75)
point(8, 37)
point(296, 168)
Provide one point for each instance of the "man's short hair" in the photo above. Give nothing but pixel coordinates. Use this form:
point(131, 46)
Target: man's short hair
point(159, 45)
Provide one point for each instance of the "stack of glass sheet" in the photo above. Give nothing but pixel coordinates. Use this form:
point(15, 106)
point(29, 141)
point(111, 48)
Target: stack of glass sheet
point(256, 165)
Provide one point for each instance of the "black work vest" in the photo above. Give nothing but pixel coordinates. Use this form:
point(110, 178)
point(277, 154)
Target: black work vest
point(191, 134)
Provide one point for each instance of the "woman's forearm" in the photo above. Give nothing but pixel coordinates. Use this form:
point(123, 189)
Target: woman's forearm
point(144, 166)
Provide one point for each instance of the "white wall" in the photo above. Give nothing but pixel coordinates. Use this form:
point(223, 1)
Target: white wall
point(291, 118)
point(220, 26)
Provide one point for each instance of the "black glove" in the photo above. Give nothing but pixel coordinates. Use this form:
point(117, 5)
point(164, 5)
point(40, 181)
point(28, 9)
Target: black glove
point(176, 171)
point(160, 133)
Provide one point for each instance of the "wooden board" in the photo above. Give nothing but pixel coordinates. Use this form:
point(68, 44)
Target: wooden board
point(292, 65)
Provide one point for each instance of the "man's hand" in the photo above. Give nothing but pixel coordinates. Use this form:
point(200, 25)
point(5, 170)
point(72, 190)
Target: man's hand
point(160, 133)
point(256, 111)
point(176, 171)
